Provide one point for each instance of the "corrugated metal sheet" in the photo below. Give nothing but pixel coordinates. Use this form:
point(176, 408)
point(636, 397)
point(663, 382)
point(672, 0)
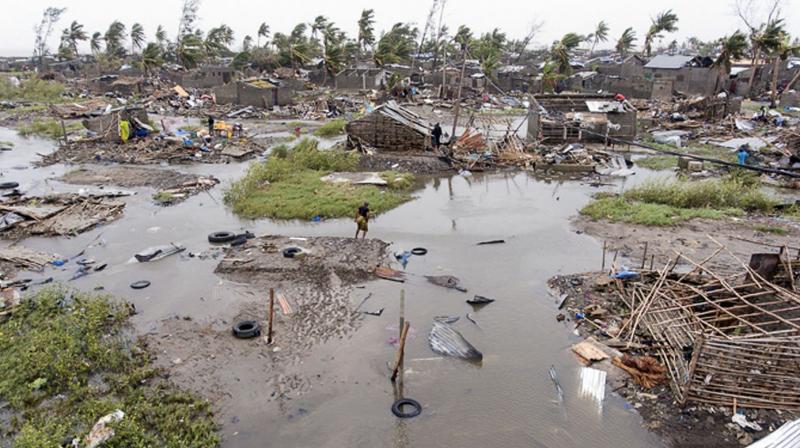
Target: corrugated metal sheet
point(404, 116)
point(668, 62)
point(787, 436)
point(593, 384)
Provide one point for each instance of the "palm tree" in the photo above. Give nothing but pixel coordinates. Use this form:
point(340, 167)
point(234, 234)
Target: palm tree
point(294, 49)
point(625, 42)
point(731, 48)
point(366, 29)
point(96, 42)
point(247, 43)
point(137, 37)
point(463, 36)
point(781, 51)
point(561, 52)
point(600, 35)
point(319, 24)
point(75, 34)
point(665, 21)
point(263, 31)
point(189, 50)
point(217, 41)
point(151, 57)
point(396, 45)
point(114, 37)
point(161, 37)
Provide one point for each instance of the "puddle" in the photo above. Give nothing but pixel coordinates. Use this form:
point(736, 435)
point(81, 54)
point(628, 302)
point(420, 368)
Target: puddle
point(506, 401)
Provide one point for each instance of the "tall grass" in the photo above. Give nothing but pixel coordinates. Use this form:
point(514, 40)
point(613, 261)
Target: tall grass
point(31, 90)
point(287, 186)
point(331, 128)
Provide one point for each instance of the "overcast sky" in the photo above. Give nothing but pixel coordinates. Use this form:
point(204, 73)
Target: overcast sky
point(706, 19)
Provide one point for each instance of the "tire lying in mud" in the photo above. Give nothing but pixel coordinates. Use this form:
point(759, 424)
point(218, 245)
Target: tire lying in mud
point(246, 329)
point(290, 252)
point(8, 185)
point(397, 408)
point(419, 251)
point(141, 284)
point(221, 237)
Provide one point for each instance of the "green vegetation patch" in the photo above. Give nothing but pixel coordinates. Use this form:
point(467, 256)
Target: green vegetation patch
point(287, 186)
point(663, 202)
point(67, 360)
point(31, 90)
point(48, 128)
point(331, 128)
point(658, 162)
point(763, 228)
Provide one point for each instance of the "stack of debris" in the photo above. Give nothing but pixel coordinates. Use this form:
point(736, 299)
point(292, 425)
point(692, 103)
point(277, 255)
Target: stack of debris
point(56, 215)
point(390, 128)
point(726, 340)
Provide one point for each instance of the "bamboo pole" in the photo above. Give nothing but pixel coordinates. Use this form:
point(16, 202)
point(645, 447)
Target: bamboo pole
point(398, 362)
point(271, 314)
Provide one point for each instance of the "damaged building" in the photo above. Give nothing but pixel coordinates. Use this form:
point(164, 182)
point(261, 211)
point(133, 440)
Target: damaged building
point(391, 127)
point(579, 117)
point(257, 92)
point(691, 75)
point(204, 77)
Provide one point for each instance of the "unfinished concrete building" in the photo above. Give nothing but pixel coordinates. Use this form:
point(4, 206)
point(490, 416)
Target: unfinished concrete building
point(391, 127)
point(691, 75)
point(254, 92)
point(579, 117)
point(202, 78)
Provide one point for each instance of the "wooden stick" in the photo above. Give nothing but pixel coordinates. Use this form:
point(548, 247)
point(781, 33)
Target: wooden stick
point(271, 314)
point(644, 257)
point(603, 266)
point(398, 361)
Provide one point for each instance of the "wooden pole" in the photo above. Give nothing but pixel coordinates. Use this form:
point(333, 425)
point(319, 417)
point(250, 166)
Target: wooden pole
point(644, 257)
point(398, 361)
point(64, 132)
point(271, 314)
point(460, 86)
point(603, 266)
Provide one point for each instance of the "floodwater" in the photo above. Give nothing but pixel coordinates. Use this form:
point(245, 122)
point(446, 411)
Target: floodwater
point(508, 400)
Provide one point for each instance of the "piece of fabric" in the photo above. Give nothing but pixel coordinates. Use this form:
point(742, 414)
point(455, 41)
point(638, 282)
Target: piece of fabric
point(362, 223)
point(124, 130)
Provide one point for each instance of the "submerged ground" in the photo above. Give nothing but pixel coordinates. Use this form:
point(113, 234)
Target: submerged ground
point(334, 391)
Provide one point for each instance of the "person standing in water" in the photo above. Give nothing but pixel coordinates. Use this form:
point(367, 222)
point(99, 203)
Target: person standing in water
point(362, 220)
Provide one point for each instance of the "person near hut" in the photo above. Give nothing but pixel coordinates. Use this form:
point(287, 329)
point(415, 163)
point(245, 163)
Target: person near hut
point(362, 220)
point(743, 154)
point(436, 136)
point(210, 125)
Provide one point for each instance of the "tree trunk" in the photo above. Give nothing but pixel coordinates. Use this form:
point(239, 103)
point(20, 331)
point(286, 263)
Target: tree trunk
point(754, 67)
point(774, 86)
point(794, 80)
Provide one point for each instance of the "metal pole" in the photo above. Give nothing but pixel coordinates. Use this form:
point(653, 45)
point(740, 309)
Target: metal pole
point(460, 86)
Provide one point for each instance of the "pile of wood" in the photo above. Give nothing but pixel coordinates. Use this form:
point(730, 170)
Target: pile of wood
point(724, 339)
point(57, 215)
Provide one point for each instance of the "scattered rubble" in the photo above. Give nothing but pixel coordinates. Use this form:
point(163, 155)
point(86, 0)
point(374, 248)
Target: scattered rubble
point(56, 215)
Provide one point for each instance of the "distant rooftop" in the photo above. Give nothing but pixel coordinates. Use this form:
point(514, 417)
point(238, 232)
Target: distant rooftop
point(669, 62)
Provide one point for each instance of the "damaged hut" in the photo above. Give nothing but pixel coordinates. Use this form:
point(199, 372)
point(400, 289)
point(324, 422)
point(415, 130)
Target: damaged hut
point(391, 127)
point(726, 340)
point(572, 118)
point(119, 125)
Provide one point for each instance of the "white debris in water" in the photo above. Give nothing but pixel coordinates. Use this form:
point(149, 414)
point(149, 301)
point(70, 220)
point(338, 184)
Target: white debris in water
point(593, 385)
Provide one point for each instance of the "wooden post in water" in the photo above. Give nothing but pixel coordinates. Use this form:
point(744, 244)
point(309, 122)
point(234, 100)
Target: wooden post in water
point(398, 361)
point(644, 257)
point(271, 314)
point(603, 266)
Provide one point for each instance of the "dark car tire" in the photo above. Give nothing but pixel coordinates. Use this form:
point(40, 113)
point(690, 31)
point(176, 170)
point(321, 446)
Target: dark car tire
point(398, 405)
point(221, 237)
point(246, 329)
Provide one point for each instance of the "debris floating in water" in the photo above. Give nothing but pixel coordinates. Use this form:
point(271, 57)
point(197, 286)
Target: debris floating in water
point(445, 340)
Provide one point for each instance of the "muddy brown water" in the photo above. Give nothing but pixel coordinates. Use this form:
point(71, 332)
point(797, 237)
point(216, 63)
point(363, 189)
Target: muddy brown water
point(508, 400)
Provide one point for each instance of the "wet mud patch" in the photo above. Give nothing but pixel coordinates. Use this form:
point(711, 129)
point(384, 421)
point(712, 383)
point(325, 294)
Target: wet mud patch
point(409, 162)
point(268, 259)
point(173, 187)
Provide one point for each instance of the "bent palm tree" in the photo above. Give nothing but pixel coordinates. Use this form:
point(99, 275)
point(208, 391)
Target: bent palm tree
point(600, 35)
point(366, 29)
point(137, 37)
point(625, 42)
point(665, 21)
point(263, 31)
point(732, 47)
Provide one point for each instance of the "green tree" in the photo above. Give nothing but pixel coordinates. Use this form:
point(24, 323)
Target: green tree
point(600, 35)
point(152, 57)
point(96, 43)
point(137, 37)
point(366, 29)
point(731, 48)
point(397, 45)
point(218, 40)
point(247, 44)
point(463, 36)
point(50, 17)
point(161, 37)
point(625, 42)
point(190, 50)
point(561, 52)
point(664, 22)
point(263, 31)
point(294, 49)
point(780, 51)
point(115, 39)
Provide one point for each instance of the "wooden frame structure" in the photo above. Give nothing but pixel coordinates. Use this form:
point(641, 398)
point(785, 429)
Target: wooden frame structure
point(731, 340)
